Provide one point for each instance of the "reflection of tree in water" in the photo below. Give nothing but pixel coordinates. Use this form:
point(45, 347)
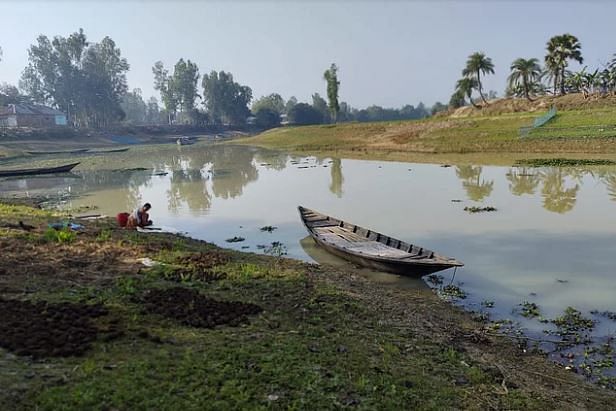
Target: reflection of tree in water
point(337, 178)
point(522, 181)
point(232, 169)
point(189, 186)
point(476, 188)
point(229, 168)
point(556, 197)
point(131, 182)
point(609, 179)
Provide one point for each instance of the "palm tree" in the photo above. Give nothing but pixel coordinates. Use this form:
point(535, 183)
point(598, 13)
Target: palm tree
point(476, 65)
point(560, 49)
point(465, 87)
point(526, 72)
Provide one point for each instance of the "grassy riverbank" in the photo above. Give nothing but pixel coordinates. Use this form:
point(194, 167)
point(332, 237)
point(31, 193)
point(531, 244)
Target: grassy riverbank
point(585, 128)
point(304, 337)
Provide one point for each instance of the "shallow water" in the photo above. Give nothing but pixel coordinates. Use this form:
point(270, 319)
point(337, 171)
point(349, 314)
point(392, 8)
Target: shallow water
point(551, 240)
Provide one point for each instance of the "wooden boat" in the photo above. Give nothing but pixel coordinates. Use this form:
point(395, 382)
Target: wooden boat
point(372, 249)
point(185, 141)
point(42, 153)
point(36, 171)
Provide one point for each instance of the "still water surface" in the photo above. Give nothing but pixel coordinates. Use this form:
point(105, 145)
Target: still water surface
point(550, 242)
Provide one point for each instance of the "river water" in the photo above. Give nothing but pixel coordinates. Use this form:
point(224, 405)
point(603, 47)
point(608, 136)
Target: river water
point(551, 240)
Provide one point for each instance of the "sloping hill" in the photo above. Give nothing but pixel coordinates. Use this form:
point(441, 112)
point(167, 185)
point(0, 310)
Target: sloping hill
point(581, 126)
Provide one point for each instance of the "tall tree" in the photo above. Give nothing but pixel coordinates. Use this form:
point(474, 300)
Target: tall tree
point(85, 80)
point(184, 82)
point(524, 73)
point(560, 49)
point(331, 77)
point(163, 82)
point(476, 65)
point(224, 99)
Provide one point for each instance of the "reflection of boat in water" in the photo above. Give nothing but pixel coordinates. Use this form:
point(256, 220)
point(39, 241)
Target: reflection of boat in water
point(372, 249)
point(36, 171)
point(185, 141)
point(319, 255)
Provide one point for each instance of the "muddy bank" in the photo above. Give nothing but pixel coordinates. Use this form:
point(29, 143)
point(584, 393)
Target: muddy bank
point(26, 142)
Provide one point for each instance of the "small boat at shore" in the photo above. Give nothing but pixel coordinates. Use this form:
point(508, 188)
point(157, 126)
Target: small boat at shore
point(372, 249)
point(38, 171)
point(185, 141)
point(43, 153)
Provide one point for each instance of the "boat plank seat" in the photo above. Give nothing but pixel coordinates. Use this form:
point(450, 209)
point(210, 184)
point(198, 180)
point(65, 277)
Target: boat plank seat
point(341, 232)
point(378, 249)
point(322, 223)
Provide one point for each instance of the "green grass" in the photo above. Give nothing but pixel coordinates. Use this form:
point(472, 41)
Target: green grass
point(574, 131)
point(322, 356)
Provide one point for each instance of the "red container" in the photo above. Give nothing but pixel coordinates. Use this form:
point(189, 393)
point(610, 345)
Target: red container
point(122, 219)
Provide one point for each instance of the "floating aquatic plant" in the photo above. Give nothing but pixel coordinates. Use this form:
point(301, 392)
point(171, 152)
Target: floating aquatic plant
point(475, 209)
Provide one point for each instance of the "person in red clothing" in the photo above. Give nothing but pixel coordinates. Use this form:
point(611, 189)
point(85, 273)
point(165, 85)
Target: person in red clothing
point(140, 217)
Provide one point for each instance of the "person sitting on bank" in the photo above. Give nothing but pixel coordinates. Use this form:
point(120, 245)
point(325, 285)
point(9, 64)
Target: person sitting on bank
point(140, 217)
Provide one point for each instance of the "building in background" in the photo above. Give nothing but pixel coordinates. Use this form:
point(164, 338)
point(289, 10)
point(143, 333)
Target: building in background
point(31, 115)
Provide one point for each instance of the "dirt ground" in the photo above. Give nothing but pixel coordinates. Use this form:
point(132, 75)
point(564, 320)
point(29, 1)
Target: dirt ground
point(194, 309)
point(42, 329)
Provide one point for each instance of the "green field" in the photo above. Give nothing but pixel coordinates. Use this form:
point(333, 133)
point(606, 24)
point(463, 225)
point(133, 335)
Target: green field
point(571, 133)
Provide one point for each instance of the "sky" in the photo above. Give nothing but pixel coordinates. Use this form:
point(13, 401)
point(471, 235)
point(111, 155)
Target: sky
point(389, 53)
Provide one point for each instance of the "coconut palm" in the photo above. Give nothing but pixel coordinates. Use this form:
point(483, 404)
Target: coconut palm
point(476, 65)
point(560, 49)
point(525, 73)
point(465, 87)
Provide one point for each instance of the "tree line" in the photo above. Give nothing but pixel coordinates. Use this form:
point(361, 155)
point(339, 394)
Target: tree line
point(87, 81)
point(528, 79)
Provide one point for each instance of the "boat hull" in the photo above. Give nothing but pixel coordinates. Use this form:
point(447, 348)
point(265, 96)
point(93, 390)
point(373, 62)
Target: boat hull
point(412, 270)
point(38, 171)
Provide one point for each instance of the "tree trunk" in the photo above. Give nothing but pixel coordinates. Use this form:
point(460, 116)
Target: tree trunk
point(562, 82)
point(479, 87)
point(555, 82)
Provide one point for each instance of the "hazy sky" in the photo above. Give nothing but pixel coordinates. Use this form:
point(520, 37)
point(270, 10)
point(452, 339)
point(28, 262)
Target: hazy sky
point(390, 53)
